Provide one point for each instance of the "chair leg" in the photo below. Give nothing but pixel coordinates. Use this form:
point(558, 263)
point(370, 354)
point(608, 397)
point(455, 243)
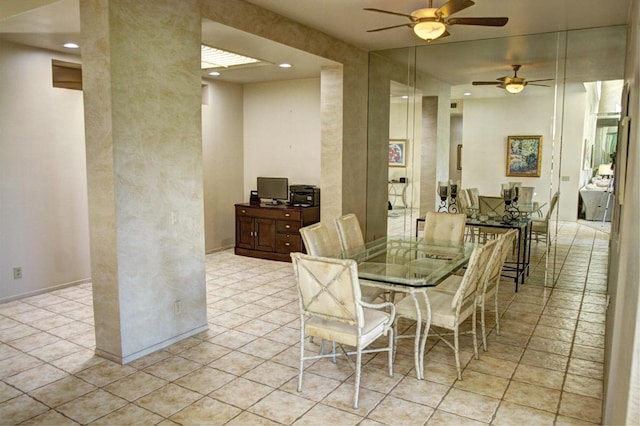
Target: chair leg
point(473, 331)
point(301, 358)
point(358, 368)
point(482, 323)
point(495, 297)
point(391, 352)
point(456, 349)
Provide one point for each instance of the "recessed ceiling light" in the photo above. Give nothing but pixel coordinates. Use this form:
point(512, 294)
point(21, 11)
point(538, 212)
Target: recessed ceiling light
point(405, 96)
point(71, 46)
point(214, 73)
point(284, 65)
point(466, 94)
point(210, 57)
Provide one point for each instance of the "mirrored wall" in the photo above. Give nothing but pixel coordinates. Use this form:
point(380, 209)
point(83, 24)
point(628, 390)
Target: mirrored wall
point(442, 113)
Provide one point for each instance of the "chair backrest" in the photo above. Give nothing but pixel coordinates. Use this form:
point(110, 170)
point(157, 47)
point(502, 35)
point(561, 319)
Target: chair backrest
point(525, 194)
point(445, 227)
point(328, 288)
point(492, 276)
point(464, 300)
point(491, 205)
point(474, 196)
point(463, 202)
point(319, 240)
point(349, 232)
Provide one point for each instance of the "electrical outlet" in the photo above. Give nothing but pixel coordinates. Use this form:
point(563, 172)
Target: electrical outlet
point(177, 306)
point(17, 272)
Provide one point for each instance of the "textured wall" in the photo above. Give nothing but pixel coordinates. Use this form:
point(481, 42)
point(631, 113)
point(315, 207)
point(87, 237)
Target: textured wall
point(144, 159)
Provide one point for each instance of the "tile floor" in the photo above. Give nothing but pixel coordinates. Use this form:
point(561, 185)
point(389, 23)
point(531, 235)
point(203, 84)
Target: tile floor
point(546, 367)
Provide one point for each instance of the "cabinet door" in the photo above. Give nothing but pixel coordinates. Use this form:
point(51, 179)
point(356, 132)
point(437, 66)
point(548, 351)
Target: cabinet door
point(265, 238)
point(244, 232)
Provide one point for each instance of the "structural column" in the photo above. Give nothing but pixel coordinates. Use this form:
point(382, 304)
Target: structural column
point(141, 80)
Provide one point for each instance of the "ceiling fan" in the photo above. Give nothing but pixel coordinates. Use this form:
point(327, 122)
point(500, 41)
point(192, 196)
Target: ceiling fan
point(431, 23)
point(513, 84)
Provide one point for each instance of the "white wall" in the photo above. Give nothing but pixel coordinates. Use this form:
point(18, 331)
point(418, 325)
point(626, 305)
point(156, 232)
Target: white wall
point(43, 185)
point(282, 132)
point(488, 122)
point(222, 142)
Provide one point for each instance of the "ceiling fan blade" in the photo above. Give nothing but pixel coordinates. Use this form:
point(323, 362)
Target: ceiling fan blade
point(453, 6)
point(371, 9)
point(393, 26)
point(487, 22)
point(485, 83)
point(536, 84)
point(536, 81)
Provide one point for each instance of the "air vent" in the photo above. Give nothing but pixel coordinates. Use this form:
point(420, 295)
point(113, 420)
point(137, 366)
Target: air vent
point(454, 105)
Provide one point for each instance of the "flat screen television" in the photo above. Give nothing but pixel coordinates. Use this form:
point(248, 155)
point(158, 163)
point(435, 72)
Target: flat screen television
point(274, 189)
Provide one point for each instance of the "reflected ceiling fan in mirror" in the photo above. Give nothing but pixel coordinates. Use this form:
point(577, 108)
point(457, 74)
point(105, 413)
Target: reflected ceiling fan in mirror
point(512, 84)
point(431, 23)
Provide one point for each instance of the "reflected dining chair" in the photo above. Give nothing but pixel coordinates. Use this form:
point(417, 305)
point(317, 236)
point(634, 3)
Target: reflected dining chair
point(331, 308)
point(444, 227)
point(474, 196)
point(540, 226)
point(448, 311)
point(350, 237)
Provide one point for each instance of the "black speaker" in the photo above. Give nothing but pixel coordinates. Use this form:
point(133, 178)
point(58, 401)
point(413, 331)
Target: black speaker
point(253, 198)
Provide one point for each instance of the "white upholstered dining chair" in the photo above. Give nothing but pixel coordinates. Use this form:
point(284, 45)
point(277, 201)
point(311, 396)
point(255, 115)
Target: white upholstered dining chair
point(448, 311)
point(350, 237)
point(444, 227)
point(320, 240)
point(331, 308)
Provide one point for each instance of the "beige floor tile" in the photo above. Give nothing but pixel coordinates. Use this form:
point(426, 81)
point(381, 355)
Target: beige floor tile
point(34, 341)
point(554, 333)
point(55, 350)
point(550, 345)
point(91, 406)
point(236, 363)
point(325, 415)
point(442, 418)
point(271, 374)
point(589, 339)
point(17, 364)
point(8, 392)
point(570, 421)
point(584, 386)
point(168, 400)
point(471, 405)
point(205, 352)
point(482, 384)
point(62, 391)
point(282, 407)
point(36, 377)
point(423, 392)
point(205, 380)
point(263, 348)
point(581, 407)
point(206, 411)
point(314, 387)
point(50, 417)
point(502, 351)
point(533, 396)
point(233, 339)
point(581, 367)
point(539, 376)
point(135, 385)
point(395, 411)
point(172, 368)
point(513, 414)
point(19, 409)
point(104, 373)
point(342, 398)
point(246, 418)
point(241, 393)
point(492, 366)
point(130, 414)
point(544, 360)
point(588, 353)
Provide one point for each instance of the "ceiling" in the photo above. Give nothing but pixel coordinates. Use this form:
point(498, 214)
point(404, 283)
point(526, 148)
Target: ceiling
point(48, 24)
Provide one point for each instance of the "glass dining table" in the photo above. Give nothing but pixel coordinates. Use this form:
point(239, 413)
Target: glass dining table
point(409, 265)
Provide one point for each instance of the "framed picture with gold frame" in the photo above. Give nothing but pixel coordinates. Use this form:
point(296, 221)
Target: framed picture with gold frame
point(524, 156)
point(397, 153)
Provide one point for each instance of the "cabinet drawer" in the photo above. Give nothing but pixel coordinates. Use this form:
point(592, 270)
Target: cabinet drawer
point(286, 243)
point(268, 213)
point(287, 226)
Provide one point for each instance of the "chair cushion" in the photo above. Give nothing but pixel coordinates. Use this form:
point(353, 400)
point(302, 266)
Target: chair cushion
point(334, 331)
point(441, 313)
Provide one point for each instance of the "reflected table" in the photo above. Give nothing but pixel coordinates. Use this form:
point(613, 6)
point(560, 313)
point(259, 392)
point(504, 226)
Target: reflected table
point(409, 265)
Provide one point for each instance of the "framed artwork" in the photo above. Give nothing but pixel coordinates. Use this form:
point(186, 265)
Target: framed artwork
point(459, 158)
point(524, 156)
point(397, 153)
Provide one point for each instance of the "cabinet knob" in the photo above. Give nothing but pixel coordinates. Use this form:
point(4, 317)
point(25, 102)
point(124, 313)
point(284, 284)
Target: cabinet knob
point(287, 214)
point(243, 211)
point(287, 226)
point(287, 244)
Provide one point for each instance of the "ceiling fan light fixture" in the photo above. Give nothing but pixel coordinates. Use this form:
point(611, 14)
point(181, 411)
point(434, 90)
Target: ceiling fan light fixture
point(514, 88)
point(429, 30)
